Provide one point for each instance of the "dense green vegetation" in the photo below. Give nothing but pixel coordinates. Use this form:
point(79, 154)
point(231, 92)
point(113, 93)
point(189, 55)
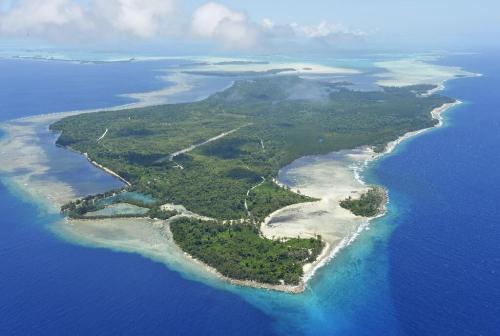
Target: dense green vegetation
point(239, 252)
point(282, 118)
point(268, 122)
point(159, 213)
point(368, 205)
point(80, 208)
point(94, 217)
point(88, 203)
point(269, 197)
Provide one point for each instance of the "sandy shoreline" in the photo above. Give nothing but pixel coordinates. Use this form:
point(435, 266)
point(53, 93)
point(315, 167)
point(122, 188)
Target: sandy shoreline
point(436, 114)
point(361, 157)
point(107, 170)
point(339, 215)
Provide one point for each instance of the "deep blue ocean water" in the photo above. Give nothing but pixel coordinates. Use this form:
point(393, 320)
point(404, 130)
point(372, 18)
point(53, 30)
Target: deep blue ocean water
point(430, 267)
point(31, 87)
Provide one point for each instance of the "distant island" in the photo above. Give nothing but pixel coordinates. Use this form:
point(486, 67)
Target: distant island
point(247, 73)
point(219, 158)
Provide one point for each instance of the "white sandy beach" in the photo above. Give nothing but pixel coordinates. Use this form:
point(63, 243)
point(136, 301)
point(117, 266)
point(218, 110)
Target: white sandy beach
point(331, 178)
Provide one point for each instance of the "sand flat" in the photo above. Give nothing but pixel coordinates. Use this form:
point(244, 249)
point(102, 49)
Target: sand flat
point(417, 70)
point(24, 161)
point(330, 178)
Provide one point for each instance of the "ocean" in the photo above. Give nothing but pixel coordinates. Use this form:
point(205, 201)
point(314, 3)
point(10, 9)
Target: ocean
point(431, 266)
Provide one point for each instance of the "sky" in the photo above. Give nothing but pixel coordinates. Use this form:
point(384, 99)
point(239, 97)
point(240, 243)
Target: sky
point(258, 26)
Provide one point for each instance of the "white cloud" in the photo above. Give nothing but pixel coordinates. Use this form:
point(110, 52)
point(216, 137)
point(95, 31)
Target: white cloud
point(230, 28)
point(267, 23)
point(233, 29)
point(95, 19)
point(141, 18)
point(41, 17)
point(326, 32)
point(323, 29)
point(208, 18)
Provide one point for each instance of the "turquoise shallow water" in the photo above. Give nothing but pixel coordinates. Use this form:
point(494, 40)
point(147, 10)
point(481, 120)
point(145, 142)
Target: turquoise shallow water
point(52, 287)
point(430, 267)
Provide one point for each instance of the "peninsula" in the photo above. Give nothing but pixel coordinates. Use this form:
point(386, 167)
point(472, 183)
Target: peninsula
point(219, 158)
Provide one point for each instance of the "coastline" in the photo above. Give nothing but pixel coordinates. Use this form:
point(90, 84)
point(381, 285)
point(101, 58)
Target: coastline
point(107, 170)
point(436, 115)
point(361, 157)
point(19, 149)
point(331, 250)
point(357, 162)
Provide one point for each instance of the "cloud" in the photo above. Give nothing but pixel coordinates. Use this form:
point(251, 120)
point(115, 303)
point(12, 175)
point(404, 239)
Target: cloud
point(140, 18)
point(41, 17)
point(233, 29)
point(94, 19)
point(324, 32)
point(230, 28)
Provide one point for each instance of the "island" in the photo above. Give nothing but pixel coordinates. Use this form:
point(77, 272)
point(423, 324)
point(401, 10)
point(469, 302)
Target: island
point(368, 204)
point(210, 167)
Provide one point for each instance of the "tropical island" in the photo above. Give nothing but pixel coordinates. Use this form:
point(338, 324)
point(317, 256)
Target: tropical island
point(368, 204)
point(219, 159)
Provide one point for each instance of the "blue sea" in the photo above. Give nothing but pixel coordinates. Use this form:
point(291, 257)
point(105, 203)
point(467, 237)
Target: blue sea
point(431, 266)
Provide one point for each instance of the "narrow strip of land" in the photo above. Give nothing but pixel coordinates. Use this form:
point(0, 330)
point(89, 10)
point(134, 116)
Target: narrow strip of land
point(107, 170)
